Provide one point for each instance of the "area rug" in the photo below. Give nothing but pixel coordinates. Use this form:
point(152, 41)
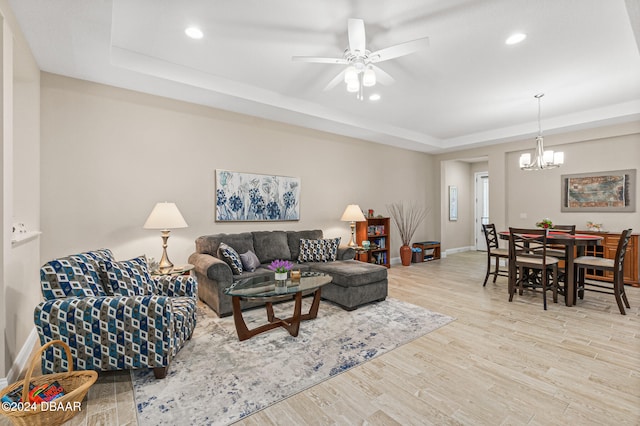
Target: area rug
point(217, 380)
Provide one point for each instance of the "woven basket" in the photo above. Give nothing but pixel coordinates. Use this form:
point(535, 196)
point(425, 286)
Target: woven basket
point(76, 384)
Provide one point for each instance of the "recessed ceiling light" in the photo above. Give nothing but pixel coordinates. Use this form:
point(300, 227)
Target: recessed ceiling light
point(194, 33)
point(374, 97)
point(516, 38)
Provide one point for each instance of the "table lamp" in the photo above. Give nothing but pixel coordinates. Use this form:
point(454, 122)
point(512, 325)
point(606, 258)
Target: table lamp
point(353, 214)
point(165, 216)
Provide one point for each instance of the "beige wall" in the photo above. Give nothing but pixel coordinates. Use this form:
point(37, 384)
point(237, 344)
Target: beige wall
point(513, 192)
point(457, 234)
point(19, 263)
point(538, 195)
point(108, 155)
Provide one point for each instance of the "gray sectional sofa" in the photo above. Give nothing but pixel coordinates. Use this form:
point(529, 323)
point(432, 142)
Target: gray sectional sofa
point(354, 283)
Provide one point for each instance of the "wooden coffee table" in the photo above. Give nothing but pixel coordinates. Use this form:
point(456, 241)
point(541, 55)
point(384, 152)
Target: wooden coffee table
point(263, 289)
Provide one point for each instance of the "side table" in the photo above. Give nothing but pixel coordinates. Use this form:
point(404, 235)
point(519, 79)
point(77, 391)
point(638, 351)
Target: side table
point(177, 270)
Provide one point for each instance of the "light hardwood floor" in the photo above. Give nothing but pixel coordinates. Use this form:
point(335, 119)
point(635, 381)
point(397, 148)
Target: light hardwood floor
point(498, 363)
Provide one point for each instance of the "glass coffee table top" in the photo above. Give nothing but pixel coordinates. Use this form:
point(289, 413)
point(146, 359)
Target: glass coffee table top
point(264, 287)
point(267, 290)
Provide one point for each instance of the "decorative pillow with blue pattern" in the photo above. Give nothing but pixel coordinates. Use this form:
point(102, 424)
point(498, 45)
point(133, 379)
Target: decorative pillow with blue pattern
point(322, 250)
point(129, 277)
point(331, 248)
point(231, 257)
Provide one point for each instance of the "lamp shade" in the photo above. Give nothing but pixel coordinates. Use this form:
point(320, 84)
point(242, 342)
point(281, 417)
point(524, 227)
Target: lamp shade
point(165, 216)
point(353, 213)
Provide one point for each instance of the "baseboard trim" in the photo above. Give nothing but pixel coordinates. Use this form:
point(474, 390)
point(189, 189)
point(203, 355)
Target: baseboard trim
point(459, 250)
point(21, 360)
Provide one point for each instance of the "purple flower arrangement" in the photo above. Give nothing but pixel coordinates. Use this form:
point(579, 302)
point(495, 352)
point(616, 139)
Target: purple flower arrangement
point(281, 266)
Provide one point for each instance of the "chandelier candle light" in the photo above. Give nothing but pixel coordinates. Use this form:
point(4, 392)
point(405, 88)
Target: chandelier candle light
point(165, 216)
point(353, 214)
point(541, 159)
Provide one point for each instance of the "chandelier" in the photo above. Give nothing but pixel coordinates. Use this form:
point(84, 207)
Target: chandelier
point(541, 159)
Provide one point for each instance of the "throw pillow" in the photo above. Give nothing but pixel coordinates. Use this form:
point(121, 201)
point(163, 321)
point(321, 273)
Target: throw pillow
point(331, 248)
point(312, 251)
point(231, 257)
point(250, 261)
point(129, 277)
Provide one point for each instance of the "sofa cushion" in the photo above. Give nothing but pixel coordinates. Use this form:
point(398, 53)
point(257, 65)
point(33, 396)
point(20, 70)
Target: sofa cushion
point(240, 242)
point(128, 277)
point(294, 237)
point(271, 245)
point(231, 257)
point(351, 273)
point(249, 261)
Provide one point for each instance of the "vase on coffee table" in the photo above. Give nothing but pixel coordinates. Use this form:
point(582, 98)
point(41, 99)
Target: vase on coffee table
point(281, 282)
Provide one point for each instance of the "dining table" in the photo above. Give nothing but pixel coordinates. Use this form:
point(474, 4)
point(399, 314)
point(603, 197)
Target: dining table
point(574, 245)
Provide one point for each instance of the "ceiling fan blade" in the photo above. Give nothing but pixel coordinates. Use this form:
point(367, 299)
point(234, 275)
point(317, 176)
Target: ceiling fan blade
point(335, 81)
point(319, 60)
point(382, 76)
point(398, 50)
point(357, 36)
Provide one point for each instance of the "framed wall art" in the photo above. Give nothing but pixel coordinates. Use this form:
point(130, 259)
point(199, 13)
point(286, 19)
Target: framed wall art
point(613, 191)
point(453, 203)
point(256, 197)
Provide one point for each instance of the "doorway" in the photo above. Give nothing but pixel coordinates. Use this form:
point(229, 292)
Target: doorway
point(481, 208)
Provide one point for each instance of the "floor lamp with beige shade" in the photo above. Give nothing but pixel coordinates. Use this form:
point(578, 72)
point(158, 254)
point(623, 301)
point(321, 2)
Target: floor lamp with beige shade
point(165, 216)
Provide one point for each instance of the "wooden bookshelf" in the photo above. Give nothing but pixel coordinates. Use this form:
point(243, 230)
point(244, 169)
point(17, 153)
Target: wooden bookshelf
point(376, 230)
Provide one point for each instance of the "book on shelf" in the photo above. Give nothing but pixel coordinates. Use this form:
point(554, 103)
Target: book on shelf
point(380, 258)
point(380, 242)
point(375, 230)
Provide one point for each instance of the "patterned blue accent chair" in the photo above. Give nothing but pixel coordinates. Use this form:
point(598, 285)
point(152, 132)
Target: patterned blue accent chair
point(113, 315)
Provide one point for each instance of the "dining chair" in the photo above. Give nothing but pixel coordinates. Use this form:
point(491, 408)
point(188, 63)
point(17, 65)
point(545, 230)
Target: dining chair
point(614, 266)
point(558, 250)
point(529, 265)
point(494, 252)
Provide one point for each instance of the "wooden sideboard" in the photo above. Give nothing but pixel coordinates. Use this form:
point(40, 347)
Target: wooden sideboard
point(608, 249)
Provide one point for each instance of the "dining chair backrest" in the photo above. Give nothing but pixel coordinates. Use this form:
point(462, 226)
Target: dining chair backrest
point(490, 236)
point(570, 229)
point(528, 242)
point(625, 236)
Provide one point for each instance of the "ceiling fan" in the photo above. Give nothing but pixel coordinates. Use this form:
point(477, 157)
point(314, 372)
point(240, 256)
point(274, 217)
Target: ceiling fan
point(361, 71)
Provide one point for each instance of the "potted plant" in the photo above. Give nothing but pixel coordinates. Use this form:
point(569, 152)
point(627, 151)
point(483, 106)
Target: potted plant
point(281, 267)
point(407, 219)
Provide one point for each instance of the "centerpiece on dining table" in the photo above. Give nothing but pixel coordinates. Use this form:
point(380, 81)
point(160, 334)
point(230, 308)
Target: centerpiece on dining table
point(545, 223)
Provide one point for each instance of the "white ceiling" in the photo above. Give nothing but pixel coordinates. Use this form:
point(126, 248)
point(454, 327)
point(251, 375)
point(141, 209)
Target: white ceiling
point(467, 88)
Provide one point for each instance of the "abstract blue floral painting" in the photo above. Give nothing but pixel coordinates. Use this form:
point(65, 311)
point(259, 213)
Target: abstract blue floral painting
point(256, 197)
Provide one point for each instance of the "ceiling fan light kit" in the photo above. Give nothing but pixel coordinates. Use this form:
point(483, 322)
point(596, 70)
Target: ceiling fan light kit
point(369, 77)
point(361, 71)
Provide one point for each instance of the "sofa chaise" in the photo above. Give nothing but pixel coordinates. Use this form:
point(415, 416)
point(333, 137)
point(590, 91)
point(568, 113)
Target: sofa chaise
point(354, 283)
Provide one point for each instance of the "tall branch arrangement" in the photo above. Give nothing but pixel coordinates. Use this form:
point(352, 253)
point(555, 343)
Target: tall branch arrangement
point(407, 219)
